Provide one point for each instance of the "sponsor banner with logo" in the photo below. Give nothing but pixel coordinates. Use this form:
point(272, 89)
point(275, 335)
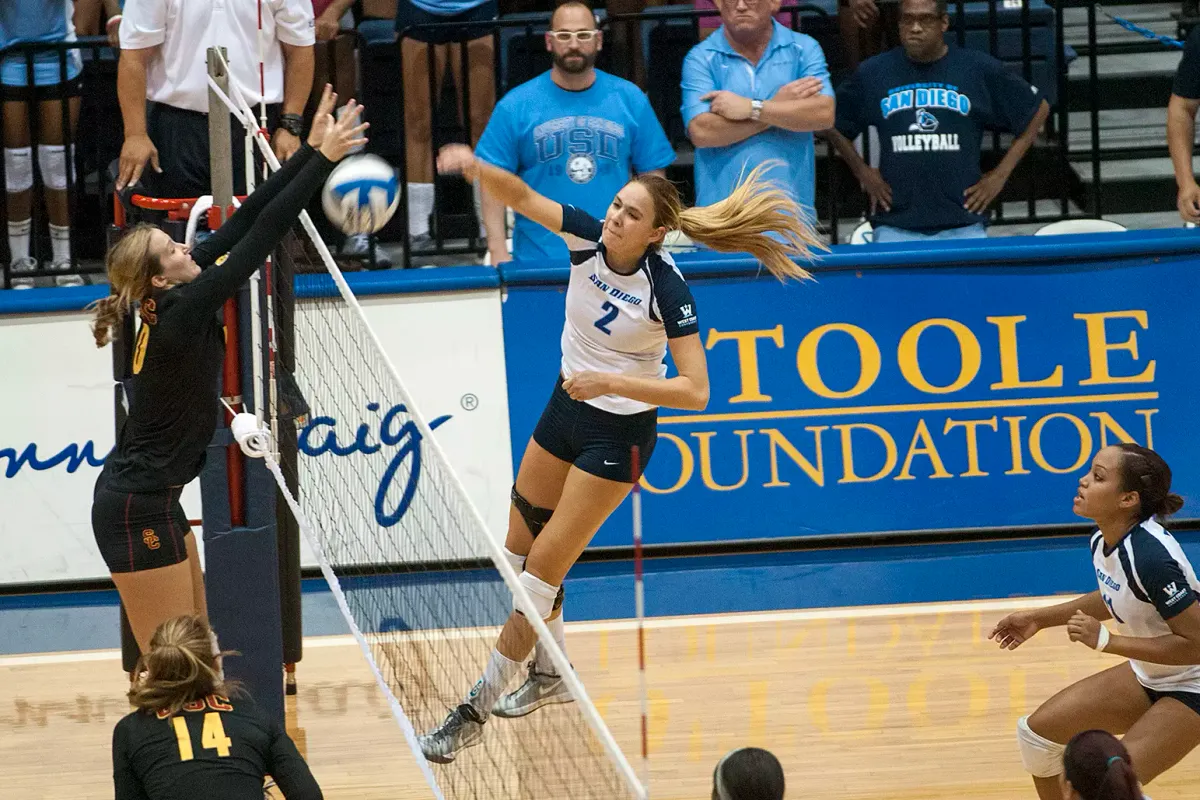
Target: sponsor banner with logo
point(58, 412)
point(903, 399)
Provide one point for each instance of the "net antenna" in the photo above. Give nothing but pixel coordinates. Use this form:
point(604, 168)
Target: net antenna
point(423, 584)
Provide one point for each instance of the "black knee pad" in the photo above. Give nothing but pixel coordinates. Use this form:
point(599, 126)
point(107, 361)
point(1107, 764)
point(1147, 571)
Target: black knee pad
point(536, 518)
point(558, 600)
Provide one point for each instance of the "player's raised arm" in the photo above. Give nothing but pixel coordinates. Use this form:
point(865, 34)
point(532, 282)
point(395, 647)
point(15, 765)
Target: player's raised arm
point(503, 185)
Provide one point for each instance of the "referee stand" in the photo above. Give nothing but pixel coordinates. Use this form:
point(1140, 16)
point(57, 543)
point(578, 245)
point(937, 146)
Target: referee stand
point(243, 537)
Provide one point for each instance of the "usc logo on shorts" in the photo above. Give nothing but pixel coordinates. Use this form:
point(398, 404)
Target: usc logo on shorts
point(150, 539)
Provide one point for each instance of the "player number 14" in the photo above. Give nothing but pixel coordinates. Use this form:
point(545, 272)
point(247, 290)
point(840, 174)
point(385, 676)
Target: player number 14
point(212, 736)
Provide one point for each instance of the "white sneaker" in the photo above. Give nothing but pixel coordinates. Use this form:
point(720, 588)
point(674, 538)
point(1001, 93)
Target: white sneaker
point(461, 729)
point(539, 689)
point(23, 264)
point(71, 279)
point(358, 248)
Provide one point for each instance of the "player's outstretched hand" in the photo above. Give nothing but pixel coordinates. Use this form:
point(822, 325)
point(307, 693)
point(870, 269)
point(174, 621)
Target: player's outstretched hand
point(1014, 630)
point(458, 159)
point(1083, 628)
point(345, 134)
point(323, 118)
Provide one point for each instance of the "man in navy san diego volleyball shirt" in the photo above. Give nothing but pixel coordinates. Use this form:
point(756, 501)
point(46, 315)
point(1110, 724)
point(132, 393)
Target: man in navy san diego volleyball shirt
point(931, 104)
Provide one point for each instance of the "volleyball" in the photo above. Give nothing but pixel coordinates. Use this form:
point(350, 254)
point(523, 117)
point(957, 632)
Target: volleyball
point(361, 194)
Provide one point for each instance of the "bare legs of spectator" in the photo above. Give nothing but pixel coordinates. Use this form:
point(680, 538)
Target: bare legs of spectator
point(54, 160)
point(863, 34)
point(624, 41)
point(419, 108)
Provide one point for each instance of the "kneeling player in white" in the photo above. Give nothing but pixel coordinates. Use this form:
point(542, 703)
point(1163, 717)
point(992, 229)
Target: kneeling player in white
point(1149, 590)
point(627, 304)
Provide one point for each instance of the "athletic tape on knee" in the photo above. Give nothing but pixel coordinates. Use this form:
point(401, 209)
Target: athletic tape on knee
point(1041, 757)
point(517, 562)
point(543, 594)
point(52, 163)
point(18, 169)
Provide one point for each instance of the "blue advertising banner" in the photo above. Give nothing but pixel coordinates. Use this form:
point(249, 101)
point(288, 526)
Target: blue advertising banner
point(903, 399)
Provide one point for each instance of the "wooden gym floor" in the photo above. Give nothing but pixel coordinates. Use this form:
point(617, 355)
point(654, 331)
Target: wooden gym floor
point(895, 703)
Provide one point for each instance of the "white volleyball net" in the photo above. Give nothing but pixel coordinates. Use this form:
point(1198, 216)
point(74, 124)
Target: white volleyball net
point(421, 581)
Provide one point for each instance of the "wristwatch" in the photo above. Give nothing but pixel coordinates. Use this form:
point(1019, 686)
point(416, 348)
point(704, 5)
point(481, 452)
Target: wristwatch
point(756, 109)
point(292, 123)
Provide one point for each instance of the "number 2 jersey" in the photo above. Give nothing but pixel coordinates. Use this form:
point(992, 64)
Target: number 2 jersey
point(215, 749)
point(620, 323)
point(1146, 580)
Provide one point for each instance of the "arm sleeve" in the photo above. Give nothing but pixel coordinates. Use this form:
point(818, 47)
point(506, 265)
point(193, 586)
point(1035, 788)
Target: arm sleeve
point(814, 66)
point(676, 305)
point(214, 286)
point(1187, 79)
point(294, 23)
point(651, 149)
point(498, 145)
point(1014, 102)
point(697, 81)
point(243, 220)
point(143, 24)
point(288, 768)
point(1161, 576)
point(582, 226)
point(849, 120)
point(126, 784)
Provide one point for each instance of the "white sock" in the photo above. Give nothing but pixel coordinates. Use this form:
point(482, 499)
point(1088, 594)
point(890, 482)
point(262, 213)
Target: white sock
point(420, 207)
point(542, 660)
point(60, 242)
point(499, 673)
point(18, 239)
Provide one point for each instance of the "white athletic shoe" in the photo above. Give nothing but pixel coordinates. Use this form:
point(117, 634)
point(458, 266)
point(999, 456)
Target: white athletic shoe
point(23, 264)
point(70, 279)
point(462, 728)
point(539, 689)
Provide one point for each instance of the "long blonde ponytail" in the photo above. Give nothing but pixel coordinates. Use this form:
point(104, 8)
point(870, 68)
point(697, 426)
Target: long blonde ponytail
point(757, 218)
point(130, 265)
point(179, 668)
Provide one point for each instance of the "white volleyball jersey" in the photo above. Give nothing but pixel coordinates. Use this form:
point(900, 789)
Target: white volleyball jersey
point(1145, 580)
point(620, 323)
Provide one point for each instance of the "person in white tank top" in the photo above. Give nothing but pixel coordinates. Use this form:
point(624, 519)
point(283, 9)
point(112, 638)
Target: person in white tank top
point(1148, 589)
point(627, 305)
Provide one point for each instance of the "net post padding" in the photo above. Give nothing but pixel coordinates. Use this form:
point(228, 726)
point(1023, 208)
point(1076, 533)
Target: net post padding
point(432, 633)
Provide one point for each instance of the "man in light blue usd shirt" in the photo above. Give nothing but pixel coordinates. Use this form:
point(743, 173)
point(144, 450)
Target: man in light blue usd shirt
point(755, 91)
point(575, 134)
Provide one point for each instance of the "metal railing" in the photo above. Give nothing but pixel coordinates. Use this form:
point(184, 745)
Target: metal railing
point(1016, 31)
point(89, 153)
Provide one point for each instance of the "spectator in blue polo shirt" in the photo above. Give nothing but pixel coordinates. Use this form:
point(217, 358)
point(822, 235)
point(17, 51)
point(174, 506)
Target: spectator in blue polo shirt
point(753, 92)
point(931, 103)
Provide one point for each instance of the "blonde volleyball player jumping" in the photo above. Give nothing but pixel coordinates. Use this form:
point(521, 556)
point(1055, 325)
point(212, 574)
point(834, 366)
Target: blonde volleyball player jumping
point(1148, 588)
point(627, 304)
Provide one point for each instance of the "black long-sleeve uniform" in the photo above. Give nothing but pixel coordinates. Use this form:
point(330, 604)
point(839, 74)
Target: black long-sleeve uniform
point(174, 400)
point(215, 749)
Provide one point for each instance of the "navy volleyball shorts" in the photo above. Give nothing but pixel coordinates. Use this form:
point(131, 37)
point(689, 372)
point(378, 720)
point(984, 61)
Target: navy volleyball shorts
point(598, 442)
point(137, 531)
point(1189, 699)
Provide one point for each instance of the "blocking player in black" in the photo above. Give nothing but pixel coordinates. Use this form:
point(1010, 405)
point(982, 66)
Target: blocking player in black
point(174, 399)
point(189, 740)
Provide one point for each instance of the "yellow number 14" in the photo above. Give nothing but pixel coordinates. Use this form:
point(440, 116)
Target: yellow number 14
point(212, 736)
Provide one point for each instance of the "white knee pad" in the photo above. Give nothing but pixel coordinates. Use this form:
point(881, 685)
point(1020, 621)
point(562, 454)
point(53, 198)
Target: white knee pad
point(543, 594)
point(18, 169)
point(517, 562)
point(52, 163)
point(1042, 758)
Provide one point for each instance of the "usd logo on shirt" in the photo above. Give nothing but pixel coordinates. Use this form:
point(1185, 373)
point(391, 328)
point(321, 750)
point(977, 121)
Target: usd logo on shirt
point(585, 141)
